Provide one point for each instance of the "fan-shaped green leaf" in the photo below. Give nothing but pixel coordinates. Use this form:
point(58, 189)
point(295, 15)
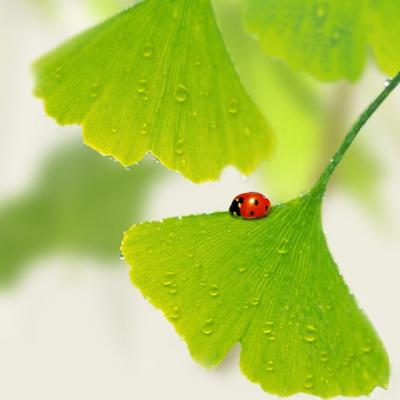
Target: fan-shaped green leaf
point(328, 39)
point(157, 78)
point(269, 284)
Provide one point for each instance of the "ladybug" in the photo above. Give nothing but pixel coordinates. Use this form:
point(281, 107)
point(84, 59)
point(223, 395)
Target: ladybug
point(250, 205)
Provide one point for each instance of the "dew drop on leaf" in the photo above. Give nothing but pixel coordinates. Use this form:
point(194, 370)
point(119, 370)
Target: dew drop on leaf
point(311, 334)
point(214, 291)
point(309, 383)
point(175, 313)
point(233, 106)
point(169, 278)
point(387, 82)
point(148, 50)
point(270, 366)
point(173, 289)
point(324, 356)
point(367, 347)
point(268, 327)
point(255, 301)
point(144, 130)
point(142, 86)
point(283, 247)
point(179, 146)
point(181, 93)
point(208, 328)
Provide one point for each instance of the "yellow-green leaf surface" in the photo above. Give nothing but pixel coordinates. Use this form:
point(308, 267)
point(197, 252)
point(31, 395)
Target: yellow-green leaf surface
point(269, 284)
point(157, 78)
point(328, 39)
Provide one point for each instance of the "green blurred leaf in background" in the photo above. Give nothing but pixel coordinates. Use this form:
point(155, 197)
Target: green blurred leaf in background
point(291, 101)
point(80, 203)
point(157, 78)
point(328, 39)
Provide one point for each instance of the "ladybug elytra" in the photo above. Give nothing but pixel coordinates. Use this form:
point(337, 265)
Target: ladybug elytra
point(250, 205)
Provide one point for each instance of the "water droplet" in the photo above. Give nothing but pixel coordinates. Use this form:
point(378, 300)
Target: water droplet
point(143, 130)
point(176, 313)
point(270, 366)
point(324, 356)
point(114, 130)
point(173, 288)
point(255, 301)
point(179, 145)
point(387, 82)
point(169, 278)
point(367, 348)
point(233, 106)
point(268, 327)
point(242, 268)
point(147, 50)
point(214, 291)
point(181, 93)
point(142, 86)
point(311, 334)
point(309, 383)
point(283, 247)
point(268, 330)
point(121, 257)
point(197, 63)
point(208, 328)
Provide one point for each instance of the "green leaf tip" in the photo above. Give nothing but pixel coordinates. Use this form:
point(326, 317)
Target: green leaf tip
point(328, 39)
point(157, 78)
point(270, 285)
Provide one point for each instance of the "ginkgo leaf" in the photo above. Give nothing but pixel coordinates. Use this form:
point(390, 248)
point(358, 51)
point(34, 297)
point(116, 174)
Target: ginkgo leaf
point(157, 78)
point(270, 284)
point(328, 39)
point(80, 203)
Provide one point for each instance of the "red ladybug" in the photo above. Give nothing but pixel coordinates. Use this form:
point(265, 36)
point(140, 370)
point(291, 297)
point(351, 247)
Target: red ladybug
point(250, 205)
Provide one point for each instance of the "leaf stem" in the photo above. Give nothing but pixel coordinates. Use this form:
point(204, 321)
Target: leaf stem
point(354, 130)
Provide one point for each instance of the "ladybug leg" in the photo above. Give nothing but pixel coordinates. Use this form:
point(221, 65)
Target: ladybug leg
point(234, 209)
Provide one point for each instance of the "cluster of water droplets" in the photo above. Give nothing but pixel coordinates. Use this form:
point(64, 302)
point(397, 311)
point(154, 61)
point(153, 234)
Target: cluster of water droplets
point(170, 282)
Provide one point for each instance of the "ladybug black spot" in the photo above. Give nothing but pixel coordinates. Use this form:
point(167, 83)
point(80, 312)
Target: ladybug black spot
point(256, 202)
point(266, 208)
point(251, 213)
point(234, 208)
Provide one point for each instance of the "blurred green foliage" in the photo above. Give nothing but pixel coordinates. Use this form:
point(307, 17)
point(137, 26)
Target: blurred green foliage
point(80, 203)
point(328, 39)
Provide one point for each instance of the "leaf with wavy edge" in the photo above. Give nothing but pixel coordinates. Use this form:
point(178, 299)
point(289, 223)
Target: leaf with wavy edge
point(270, 284)
point(157, 78)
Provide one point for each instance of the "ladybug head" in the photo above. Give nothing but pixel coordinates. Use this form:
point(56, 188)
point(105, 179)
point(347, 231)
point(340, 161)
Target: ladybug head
point(234, 209)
